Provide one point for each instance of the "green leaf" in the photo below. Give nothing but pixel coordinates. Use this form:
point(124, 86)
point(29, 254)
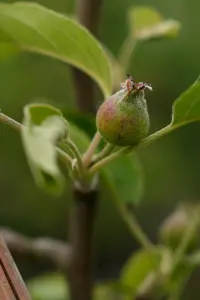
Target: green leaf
point(48, 287)
point(147, 23)
point(41, 30)
point(139, 267)
point(4, 37)
point(125, 179)
point(186, 108)
point(8, 51)
point(43, 127)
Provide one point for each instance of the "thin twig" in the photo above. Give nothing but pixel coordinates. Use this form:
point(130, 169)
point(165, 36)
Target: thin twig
point(46, 248)
point(91, 149)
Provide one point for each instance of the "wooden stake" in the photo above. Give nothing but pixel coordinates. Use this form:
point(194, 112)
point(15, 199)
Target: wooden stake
point(12, 286)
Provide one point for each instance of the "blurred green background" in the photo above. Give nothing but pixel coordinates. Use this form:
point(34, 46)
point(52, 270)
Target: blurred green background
point(171, 165)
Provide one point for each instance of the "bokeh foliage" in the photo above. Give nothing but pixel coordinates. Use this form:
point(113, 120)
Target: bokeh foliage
point(169, 67)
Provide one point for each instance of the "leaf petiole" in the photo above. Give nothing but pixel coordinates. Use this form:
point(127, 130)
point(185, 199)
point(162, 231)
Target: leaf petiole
point(75, 152)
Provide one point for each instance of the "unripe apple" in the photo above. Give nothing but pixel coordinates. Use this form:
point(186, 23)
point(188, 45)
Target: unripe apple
point(123, 119)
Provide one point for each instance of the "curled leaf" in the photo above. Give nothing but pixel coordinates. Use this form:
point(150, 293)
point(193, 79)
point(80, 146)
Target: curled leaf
point(43, 127)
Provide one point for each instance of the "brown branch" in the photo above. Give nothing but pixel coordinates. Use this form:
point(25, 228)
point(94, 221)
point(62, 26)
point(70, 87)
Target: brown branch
point(82, 224)
point(56, 251)
point(83, 100)
point(88, 13)
point(83, 213)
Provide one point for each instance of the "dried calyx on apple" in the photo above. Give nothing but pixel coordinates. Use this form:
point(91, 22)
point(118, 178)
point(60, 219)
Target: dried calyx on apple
point(123, 118)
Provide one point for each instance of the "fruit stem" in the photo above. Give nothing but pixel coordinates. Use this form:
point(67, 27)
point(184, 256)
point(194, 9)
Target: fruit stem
point(87, 156)
point(125, 150)
point(104, 152)
point(104, 161)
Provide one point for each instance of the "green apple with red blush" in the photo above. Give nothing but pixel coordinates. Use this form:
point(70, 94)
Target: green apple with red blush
point(123, 118)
